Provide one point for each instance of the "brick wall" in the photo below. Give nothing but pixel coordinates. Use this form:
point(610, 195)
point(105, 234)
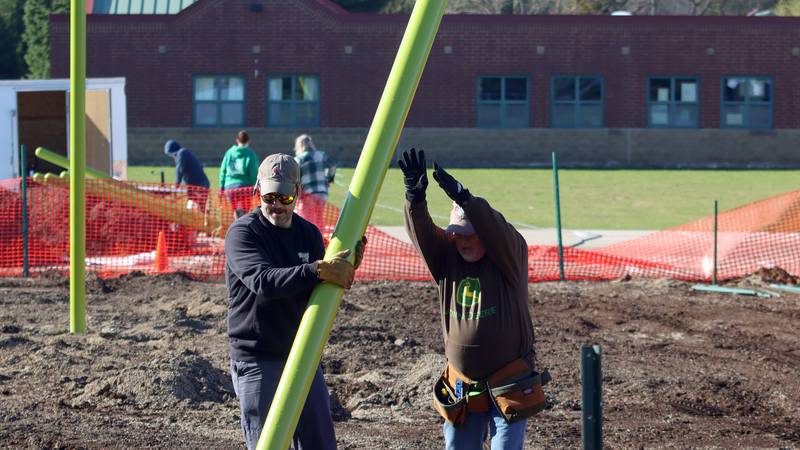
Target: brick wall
point(525, 148)
point(309, 37)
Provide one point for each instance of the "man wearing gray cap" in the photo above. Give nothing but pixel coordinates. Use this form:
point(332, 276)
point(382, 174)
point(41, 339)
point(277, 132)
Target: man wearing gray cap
point(490, 385)
point(273, 260)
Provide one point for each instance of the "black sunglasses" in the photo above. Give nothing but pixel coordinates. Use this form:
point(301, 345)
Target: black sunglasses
point(272, 197)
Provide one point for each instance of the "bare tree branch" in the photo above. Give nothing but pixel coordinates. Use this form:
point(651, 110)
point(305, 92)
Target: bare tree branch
point(639, 7)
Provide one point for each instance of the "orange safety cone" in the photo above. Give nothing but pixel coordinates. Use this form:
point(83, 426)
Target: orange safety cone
point(162, 257)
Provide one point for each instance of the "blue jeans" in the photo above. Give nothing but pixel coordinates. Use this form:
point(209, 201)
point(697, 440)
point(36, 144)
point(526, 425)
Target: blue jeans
point(471, 434)
point(255, 384)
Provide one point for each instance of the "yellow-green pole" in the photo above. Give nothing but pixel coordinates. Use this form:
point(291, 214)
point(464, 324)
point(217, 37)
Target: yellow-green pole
point(63, 162)
point(375, 157)
point(77, 164)
point(126, 194)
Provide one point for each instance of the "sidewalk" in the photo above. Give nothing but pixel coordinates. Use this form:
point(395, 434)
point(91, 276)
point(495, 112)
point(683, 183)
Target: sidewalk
point(548, 236)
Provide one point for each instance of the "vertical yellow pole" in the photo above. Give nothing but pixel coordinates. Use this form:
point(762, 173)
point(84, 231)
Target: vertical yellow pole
point(77, 165)
point(375, 157)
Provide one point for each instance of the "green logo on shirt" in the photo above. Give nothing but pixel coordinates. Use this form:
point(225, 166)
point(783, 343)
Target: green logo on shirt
point(468, 292)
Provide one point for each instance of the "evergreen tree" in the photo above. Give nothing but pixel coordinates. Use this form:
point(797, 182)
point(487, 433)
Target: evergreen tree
point(12, 64)
point(382, 6)
point(8, 56)
point(36, 36)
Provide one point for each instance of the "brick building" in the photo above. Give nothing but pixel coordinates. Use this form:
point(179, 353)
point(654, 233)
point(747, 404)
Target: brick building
point(615, 91)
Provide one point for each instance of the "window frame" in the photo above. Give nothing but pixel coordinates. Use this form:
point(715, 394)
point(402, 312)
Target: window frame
point(218, 102)
point(577, 102)
point(672, 103)
point(746, 125)
point(502, 102)
point(293, 103)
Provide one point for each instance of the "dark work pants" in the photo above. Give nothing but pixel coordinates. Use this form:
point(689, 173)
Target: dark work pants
point(199, 195)
point(255, 384)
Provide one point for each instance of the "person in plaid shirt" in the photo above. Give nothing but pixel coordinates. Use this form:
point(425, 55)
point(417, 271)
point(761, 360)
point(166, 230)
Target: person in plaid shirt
point(316, 167)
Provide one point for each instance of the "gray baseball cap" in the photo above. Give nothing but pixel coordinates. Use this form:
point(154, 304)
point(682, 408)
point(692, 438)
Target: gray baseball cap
point(459, 223)
point(278, 173)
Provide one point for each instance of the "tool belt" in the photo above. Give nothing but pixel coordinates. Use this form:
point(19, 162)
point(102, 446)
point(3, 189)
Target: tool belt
point(515, 390)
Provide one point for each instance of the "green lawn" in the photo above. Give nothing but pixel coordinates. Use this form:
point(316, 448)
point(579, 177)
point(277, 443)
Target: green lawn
point(590, 199)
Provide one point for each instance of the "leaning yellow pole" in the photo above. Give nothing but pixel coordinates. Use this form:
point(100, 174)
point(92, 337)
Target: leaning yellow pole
point(126, 194)
point(61, 161)
point(375, 157)
point(77, 141)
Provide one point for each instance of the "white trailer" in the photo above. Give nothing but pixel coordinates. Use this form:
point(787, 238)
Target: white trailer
point(35, 113)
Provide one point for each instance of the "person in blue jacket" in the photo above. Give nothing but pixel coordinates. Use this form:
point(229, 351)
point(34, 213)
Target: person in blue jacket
point(189, 171)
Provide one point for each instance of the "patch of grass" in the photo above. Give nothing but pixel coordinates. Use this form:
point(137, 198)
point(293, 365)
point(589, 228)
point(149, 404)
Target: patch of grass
point(590, 199)
point(152, 174)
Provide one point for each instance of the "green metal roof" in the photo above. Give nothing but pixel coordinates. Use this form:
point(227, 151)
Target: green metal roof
point(140, 6)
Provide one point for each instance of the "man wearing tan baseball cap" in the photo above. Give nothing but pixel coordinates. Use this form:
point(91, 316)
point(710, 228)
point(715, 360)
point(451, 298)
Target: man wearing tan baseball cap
point(274, 259)
point(278, 173)
point(278, 184)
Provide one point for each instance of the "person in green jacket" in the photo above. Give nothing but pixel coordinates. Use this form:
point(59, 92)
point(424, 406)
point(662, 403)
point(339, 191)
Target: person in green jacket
point(239, 169)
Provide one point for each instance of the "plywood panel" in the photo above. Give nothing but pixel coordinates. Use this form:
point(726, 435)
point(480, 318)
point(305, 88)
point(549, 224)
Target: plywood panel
point(43, 123)
point(98, 130)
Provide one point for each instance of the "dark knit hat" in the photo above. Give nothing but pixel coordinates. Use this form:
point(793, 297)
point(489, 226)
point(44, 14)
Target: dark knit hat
point(171, 147)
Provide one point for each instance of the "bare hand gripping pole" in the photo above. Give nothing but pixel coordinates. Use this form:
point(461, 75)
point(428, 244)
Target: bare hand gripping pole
point(375, 157)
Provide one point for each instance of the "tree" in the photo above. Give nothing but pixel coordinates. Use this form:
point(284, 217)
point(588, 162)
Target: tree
point(604, 7)
point(363, 5)
point(738, 7)
point(8, 55)
point(505, 6)
point(36, 36)
point(788, 8)
point(637, 7)
point(12, 64)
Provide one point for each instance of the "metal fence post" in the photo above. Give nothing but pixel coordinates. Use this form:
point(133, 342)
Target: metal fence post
point(591, 381)
point(23, 169)
point(558, 219)
point(714, 278)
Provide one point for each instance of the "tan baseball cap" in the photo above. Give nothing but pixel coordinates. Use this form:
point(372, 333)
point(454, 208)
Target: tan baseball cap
point(278, 173)
point(459, 223)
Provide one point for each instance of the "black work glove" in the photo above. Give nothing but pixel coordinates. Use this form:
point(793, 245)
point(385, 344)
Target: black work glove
point(416, 180)
point(360, 247)
point(455, 190)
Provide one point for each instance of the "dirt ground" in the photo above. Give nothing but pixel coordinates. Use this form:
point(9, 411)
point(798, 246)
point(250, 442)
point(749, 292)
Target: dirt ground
point(681, 368)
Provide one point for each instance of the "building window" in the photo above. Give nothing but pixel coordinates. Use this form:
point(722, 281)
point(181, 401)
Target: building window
point(218, 101)
point(293, 101)
point(577, 102)
point(503, 102)
point(673, 102)
point(747, 102)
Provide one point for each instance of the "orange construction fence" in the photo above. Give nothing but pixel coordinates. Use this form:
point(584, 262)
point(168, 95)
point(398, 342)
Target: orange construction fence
point(157, 228)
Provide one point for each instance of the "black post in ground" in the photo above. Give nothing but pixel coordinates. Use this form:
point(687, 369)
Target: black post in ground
point(591, 380)
point(558, 219)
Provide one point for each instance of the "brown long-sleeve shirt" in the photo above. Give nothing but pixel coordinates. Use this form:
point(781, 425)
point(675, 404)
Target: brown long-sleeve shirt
point(484, 305)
